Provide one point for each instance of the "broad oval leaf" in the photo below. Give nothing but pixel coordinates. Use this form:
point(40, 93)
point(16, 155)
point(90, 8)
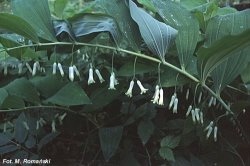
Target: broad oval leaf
point(71, 94)
point(156, 34)
point(129, 29)
point(37, 14)
point(145, 129)
point(110, 139)
point(17, 25)
point(166, 153)
point(24, 89)
point(231, 24)
point(92, 24)
point(3, 95)
point(20, 132)
point(187, 26)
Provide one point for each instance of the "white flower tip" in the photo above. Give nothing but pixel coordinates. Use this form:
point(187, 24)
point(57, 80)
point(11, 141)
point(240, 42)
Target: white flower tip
point(143, 90)
point(91, 77)
point(71, 73)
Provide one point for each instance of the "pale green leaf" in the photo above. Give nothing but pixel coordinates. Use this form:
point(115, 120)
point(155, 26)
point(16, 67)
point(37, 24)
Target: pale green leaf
point(110, 139)
point(156, 34)
point(17, 25)
point(170, 141)
point(187, 26)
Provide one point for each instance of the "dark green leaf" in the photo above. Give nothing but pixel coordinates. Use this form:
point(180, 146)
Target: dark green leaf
point(97, 98)
point(156, 35)
point(190, 4)
point(61, 28)
point(4, 139)
point(128, 69)
point(59, 7)
point(166, 154)
point(209, 58)
point(37, 14)
point(71, 94)
point(20, 132)
point(22, 88)
point(47, 85)
point(30, 142)
point(17, 25)
point(170, 141)
point(126, 24)
point(187, 26)
point(110, 140)
point(13, 102)
point(92, 24)
point(145, 130)
point(245, 76)
point(3, 96)
point(46, 139)
point(7, 148)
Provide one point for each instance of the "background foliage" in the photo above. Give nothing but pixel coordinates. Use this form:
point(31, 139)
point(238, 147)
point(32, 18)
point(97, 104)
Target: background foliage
point(197, 50)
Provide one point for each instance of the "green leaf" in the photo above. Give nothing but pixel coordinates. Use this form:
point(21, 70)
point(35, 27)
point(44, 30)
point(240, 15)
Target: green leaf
point(148, 4)
point(30, 142)
point(218, 27)
point(170, 141)
point(110, 139)
point(156, 34)
point(245, 76)
point(187, 26)
point(3, 96)
point(37, 14)
point(145, 129)
point(140, 68)
point(59, 6)
point(4, 139)
point(20, 132)
point(89, 25)
point(10, 40)
point(22, 88)
point(166, 153)
point(48, 85)
point(17, 25)
point(97, 98)
point(7, 148)
point(209, 58)
point(128, 27)
point(13, 102)
point(190, 4)
point(46, 139)
point(71, 94)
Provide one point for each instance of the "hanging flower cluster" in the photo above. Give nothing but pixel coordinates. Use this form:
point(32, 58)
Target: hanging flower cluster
point(131, 85)
point(210, 128)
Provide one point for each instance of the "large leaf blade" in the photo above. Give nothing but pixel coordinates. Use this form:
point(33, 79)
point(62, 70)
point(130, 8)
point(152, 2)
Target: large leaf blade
point(17, 25)
point(37, 14)
point(110, 139)
point(156, 34)
point(187, 26)
point(92, 24)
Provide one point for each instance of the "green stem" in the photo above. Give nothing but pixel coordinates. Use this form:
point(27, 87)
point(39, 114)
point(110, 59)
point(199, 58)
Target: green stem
point(182, 71)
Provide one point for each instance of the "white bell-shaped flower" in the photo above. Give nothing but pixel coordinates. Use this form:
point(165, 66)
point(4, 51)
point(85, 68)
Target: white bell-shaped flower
point(193, 116)
point(5, 69)
point(175, 105)
point(143, 90)
point(53, 126)
point(76, 70)
point(112, 81)
point(54, 68)
point(210, 101)
point(130, 89)
point(200, 97)
point(172, 101)
point(71, 73)
point(197, 115)
point(35, 67)
point(28, 67)
point(201, 117)
point(91, 76)
point(60, 69)
point(210, 129)
point(99, 76)
point(215, 133)
point(209, 125)
point(20, 68)
point(189, 110)
point(161, 97)
point(156, 96)
point(187, 94)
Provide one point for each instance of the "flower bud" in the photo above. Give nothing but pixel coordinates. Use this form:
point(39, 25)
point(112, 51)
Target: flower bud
point(91, 76)
point(161, 97)
point(175, 105)
point(60, 69)
point(99, 76)
point(129, 91)
point(54, 68)
point(189, 110)
point(112, 81)
point(76, 70)
point(20, 68)
point(28, 67)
